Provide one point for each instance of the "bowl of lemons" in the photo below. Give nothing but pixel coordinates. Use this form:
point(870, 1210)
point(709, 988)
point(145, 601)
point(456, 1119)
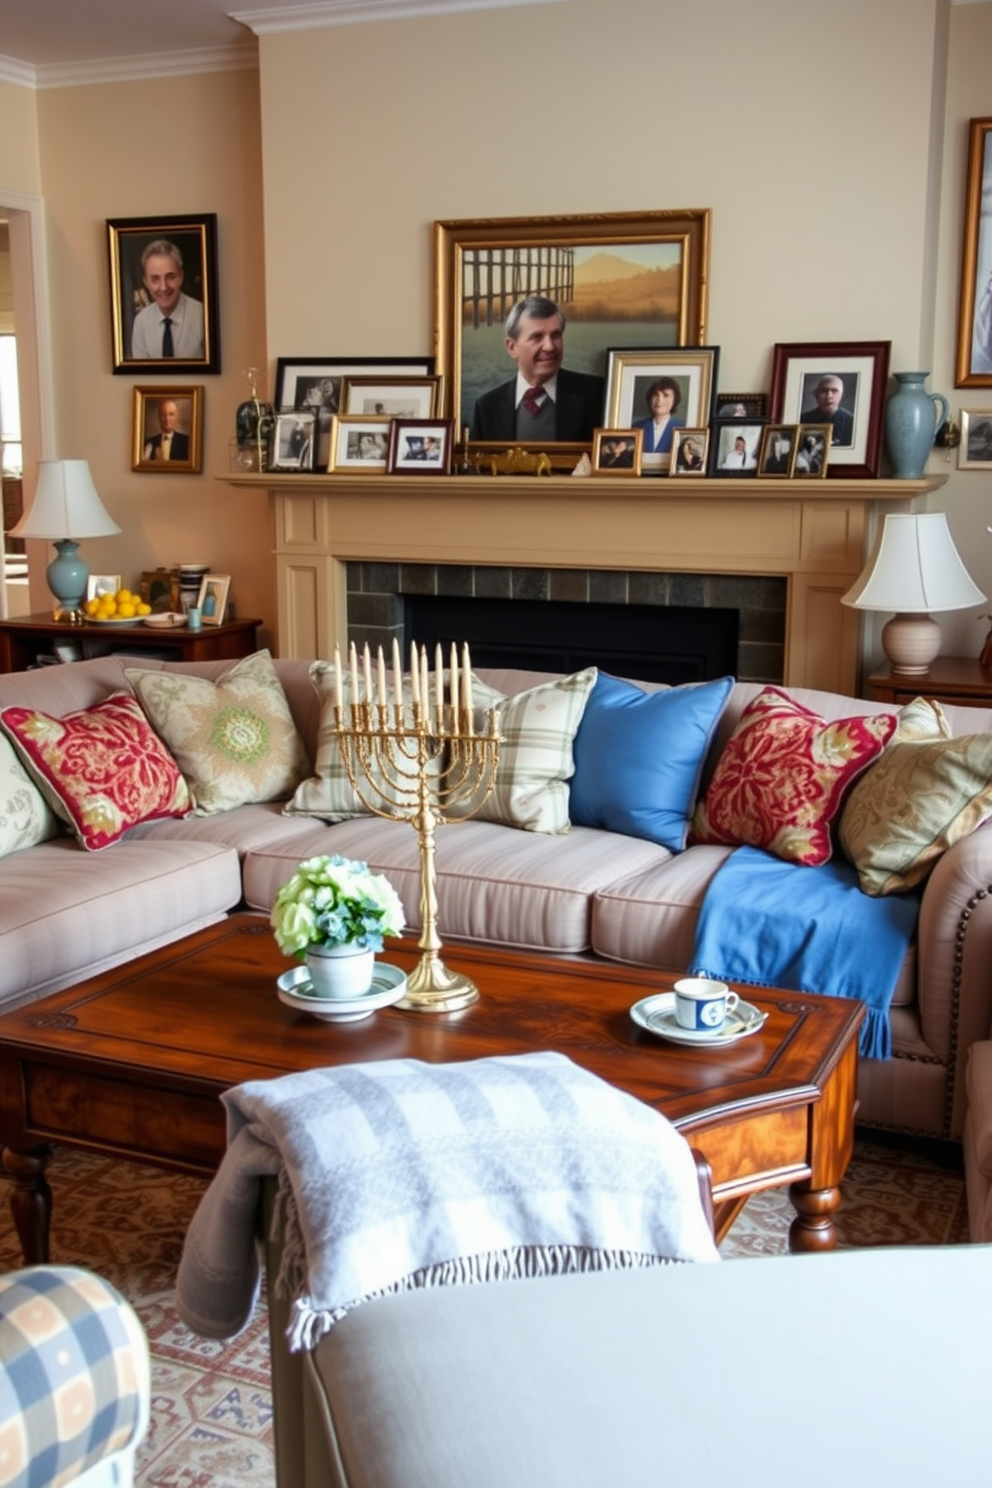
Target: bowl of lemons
point(122, 608)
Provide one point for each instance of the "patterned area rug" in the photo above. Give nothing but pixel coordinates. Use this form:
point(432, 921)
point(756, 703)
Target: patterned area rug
point(211, 1423)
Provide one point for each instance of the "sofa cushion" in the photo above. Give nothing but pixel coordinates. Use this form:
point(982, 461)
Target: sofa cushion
point(536, 758)
point(781, 777)
point(639, 756)
point(234, 738)
point(328, 792)
point(102, 769)
point(922, 795)
point(25, 816)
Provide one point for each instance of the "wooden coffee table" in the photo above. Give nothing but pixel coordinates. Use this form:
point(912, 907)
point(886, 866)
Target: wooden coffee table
point(131, 1064)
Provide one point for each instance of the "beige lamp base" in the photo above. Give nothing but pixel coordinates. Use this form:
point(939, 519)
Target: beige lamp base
point(910, 642)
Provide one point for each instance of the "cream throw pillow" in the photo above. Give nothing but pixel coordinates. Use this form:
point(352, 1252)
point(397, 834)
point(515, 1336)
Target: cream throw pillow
point(25, 815)
point(924, 793)
point(234, 739)
point(536, 761)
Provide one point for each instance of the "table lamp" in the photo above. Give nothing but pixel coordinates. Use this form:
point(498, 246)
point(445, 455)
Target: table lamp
point(66, 508)
point(914, 567)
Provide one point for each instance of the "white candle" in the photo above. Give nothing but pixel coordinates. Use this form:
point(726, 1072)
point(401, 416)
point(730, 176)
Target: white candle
point(454, 692)
point(397, 675)
point(354, 680)
point(380, 674)
point(425, 689)
point(338, 691)
point(439, 680)
point(467, 678)
point(414, 676)
point(367, 671)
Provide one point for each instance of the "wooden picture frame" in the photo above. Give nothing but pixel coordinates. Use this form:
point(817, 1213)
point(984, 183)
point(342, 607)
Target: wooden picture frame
point(171, 263)
point(359, 446)
point(316, 382)
point(974, 351)
point(158, 585)
point(975, 449)
point(391, 397)
point(778, 450)
point(292, 441)
point(690, 452)
point(741, 405)
point(812, 452)
point(486, 265)
point(617, 451)
point(160, 411)
point(804, 373)
point(683, 381)
point(420, 446)
point(212, 598)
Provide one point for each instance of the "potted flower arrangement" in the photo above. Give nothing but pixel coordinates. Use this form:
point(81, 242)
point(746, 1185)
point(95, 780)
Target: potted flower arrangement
point(333, 914)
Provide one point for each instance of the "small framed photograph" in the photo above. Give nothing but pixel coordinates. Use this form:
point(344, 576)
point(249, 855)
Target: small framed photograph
point(741, 406)
point(168, 430)
point(159, 587)
point(778, 449)
point(164, 293)
point(617, 451)
point(735, 445)
point(659, 391)
point(291, 443)
point(391, 397)
point(690, 448)
point(812, 451)
point(975, 449)
point(212, 599)
point(840, 383)
point(359, 445)
point(316, 382)
point(974, 359)
point(99, 584)
point(420, 446)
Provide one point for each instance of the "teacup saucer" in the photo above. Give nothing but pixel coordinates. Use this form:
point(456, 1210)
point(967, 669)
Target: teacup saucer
point(295, 990)
point(657, 1015)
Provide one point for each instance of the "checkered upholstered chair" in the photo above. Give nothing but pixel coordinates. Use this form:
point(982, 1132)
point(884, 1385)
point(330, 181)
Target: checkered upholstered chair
point(74, 1382)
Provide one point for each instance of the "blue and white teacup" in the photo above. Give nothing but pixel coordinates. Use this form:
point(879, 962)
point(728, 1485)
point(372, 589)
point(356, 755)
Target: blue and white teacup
point(702, 1005)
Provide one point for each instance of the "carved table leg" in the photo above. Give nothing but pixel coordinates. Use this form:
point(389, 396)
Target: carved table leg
point(813, 1227)
point(30, 1200)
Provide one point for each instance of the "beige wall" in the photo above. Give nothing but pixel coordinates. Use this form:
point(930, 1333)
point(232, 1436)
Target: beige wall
point(145, 149)
point(20, 167)
point(821, 150)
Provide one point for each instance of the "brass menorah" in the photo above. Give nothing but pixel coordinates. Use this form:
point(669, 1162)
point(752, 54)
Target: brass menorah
point(422, 760)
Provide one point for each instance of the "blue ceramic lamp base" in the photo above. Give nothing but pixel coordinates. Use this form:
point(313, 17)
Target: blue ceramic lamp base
point(67, 575)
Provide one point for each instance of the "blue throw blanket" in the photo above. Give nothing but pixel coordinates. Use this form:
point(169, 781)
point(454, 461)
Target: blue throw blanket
point(773, 924)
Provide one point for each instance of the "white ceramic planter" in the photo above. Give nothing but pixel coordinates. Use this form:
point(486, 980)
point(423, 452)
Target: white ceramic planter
point(340, 971)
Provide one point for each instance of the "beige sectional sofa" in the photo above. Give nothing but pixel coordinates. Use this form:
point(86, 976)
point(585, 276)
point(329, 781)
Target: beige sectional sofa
point(66, 913)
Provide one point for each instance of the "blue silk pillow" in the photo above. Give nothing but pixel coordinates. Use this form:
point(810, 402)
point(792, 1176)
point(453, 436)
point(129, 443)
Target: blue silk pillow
point(639, 756)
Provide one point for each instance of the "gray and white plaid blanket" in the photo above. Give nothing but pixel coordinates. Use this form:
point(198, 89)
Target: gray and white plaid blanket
point(399, 1174)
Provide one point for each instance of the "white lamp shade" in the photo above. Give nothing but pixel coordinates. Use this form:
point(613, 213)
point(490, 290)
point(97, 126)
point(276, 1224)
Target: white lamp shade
point(914, 568)
point(66, 504)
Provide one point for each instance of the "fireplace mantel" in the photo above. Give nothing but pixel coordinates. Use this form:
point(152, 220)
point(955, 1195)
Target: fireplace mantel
point(813, 533)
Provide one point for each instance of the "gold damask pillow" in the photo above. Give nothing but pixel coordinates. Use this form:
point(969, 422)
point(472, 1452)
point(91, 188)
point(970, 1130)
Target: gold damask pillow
point(924, 793)
point(234, 739)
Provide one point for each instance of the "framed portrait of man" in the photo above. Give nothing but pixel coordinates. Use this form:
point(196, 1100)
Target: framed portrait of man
point(839, 384)
point(163, 293)
point(525, 303)
point(974, 358)
point(168, 430)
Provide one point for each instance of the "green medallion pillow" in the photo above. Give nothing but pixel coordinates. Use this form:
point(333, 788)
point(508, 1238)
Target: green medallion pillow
point(25, 816)
point(924, 793)
point(234, 739)
point(536, 758)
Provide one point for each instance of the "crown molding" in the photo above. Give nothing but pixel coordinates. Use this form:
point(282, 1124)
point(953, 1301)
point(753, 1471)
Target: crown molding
point(353, 12)
point(239, 58)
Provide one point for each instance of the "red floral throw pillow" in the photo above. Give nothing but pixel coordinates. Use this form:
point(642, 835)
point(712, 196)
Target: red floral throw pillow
point(780, 780)
point(102, 769)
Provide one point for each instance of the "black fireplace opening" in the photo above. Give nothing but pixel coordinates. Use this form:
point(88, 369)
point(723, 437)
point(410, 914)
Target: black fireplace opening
point(673, 644)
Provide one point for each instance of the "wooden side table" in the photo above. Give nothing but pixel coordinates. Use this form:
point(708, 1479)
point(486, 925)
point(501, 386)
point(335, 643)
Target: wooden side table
point(950, 679)
point(25, 638)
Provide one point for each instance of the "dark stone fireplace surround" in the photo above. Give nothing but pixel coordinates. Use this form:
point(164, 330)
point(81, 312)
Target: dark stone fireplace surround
point(377, 591)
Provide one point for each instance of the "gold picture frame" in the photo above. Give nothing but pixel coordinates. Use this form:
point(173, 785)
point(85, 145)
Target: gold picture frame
point(632, 375)
point(151, 417)
point(690, 453)
point(485, 265)
point(617, 451)
point(359, 445)
point(974, 358)
point(186, 246)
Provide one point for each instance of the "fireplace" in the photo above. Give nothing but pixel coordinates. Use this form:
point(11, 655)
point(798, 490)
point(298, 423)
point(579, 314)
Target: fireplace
point(671, 628)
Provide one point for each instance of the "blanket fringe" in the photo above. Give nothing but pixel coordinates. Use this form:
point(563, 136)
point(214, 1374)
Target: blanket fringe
point(309, 1324)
